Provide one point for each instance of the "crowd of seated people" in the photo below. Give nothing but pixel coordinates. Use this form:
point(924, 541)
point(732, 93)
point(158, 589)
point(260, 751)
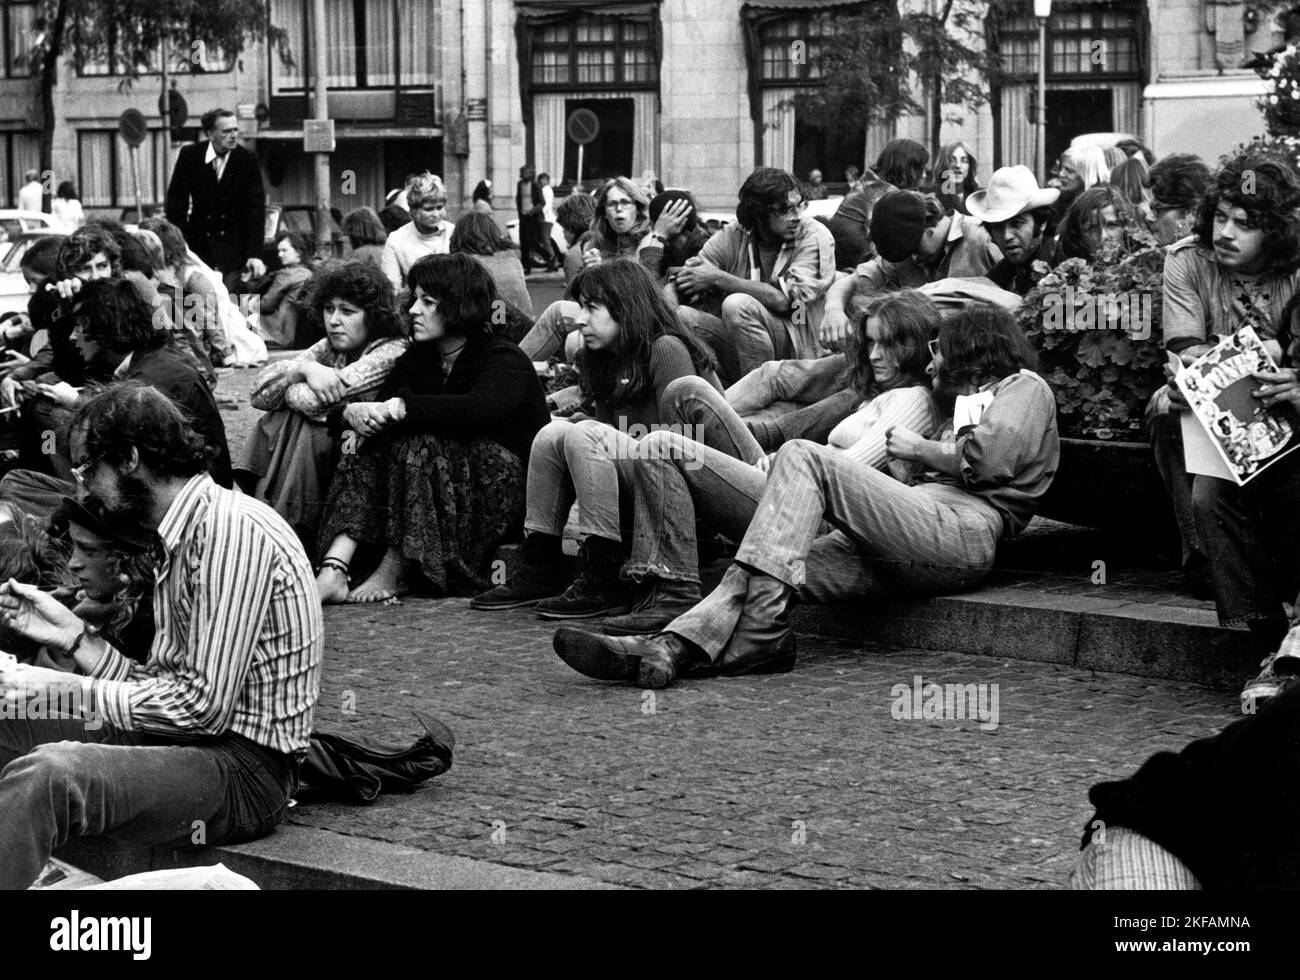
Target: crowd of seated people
point(850, 402)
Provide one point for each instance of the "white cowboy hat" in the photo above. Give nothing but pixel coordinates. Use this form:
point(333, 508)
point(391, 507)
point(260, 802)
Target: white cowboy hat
point(1011, 191)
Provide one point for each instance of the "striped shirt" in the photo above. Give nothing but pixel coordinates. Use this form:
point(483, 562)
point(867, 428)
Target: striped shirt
point(362, 377)
point(239, 636)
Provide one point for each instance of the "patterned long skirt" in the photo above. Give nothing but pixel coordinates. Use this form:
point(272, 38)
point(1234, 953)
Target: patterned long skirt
point(442, 503)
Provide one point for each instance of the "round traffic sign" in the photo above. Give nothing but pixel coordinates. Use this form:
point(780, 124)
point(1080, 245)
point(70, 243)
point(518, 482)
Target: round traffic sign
point(583, 126)
point(178, 111)
point(133, 127)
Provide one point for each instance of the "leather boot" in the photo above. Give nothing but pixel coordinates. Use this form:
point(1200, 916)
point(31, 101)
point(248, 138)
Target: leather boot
point(661, 601)
point(597, 590)
point(648, 661)
point(762, 642)
point(544, 572)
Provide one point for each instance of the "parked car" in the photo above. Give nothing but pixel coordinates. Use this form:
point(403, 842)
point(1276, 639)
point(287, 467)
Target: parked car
point(15, 222)
point(300, 218)
point(13, 287)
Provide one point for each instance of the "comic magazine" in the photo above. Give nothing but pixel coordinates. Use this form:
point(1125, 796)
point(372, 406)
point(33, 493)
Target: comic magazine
point(1233, 435)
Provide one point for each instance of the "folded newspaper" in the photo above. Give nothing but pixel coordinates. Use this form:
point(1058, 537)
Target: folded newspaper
point(1230, 433)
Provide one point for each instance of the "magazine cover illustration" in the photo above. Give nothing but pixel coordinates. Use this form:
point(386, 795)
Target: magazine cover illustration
point(1219, 386)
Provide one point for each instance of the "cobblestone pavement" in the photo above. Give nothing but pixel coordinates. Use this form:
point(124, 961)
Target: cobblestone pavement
point(799, 780)
point(804, 779)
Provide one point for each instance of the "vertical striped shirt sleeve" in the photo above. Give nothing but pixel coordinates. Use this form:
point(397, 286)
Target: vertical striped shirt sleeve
point(237, 634)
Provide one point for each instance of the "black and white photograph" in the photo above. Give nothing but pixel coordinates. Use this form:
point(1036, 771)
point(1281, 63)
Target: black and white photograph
point(634, 445)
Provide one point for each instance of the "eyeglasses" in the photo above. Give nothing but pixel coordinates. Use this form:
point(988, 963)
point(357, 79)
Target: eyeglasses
point(791, 210)
point(79, 472)
point(619, 205)
point(934, 348)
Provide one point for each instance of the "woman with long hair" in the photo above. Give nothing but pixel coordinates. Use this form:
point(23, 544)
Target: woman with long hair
point(65, 205)
point(979, 484)
point(1133, 179)
point(1098, 226)
point(633, 349)
point(707, 464)
point(432, 471)
point(478, 235)
point(955, 176)
point(196, 303)
point(291, 454)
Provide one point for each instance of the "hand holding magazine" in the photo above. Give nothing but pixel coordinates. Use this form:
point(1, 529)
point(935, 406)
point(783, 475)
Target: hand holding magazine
point(1229, 433)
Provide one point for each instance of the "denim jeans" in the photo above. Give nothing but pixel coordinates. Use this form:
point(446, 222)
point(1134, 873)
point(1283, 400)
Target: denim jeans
point(60, 779)
point(778, 387)
point(757, 333)
point(1167, 447)
point(1250, 535)
point(588, 461)
point(546, 338)
point(929, 539)
point(784, 400)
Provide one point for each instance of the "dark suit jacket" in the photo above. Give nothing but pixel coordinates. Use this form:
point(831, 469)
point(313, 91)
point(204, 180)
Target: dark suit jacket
point(223, 222)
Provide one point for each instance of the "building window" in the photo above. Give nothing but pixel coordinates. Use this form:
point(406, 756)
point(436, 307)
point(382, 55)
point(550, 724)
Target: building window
point(791, 49)
point(372, 43)
point(595, 52)
point(19, 152)
point(1090, 42)
point(104, 165)
point(104, 58)
point(16, 25)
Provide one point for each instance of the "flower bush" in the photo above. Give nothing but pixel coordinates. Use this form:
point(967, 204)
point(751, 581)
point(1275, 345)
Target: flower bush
point(1103, 376)
point(1281, 100)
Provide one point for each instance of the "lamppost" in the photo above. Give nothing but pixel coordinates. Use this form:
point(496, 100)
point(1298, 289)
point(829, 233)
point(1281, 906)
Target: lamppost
point(1042, 10)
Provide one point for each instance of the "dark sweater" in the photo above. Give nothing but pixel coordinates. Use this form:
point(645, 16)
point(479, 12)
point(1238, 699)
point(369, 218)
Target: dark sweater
point(669, 360)
point(492, 392)
point(173, 373)
point(1225, 805)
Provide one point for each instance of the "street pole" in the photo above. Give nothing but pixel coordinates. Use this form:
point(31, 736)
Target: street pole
point(1042, 10)
point(321, 100)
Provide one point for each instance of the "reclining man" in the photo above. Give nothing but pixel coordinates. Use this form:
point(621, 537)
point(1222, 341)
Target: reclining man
point(208, 734)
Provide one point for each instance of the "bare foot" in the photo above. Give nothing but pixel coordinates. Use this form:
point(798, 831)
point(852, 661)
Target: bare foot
point(332, 585)
point(387, 582)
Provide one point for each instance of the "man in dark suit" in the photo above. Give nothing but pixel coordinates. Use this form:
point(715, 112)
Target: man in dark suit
point(216, 198)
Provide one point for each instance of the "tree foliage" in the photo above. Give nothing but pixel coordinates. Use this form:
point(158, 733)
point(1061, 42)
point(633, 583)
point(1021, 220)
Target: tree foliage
point(879, 64)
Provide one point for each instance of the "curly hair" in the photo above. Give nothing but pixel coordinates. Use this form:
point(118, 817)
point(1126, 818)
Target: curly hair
point(83, 245)
point(131, 415)
point(983, 343)
point(465, 291)
point(908, 321)
point(363, 227)
point(600, 223)
point(112, 313)
point(765, 190)
point(363, 285)
point(636, 304)
point(902, 163)
point(1269, 193)
point(477, 234)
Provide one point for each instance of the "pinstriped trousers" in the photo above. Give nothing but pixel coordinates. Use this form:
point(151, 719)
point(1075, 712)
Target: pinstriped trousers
point(928, 539)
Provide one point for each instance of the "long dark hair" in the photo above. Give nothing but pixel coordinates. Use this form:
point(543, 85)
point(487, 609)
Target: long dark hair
point(983, 343)
point(621, 374)
point(465, 291)
point(1084, 215)
point(902, 163)
point(908, 320)
point(478, 234)
point(1269, 193)
point(943, 167)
